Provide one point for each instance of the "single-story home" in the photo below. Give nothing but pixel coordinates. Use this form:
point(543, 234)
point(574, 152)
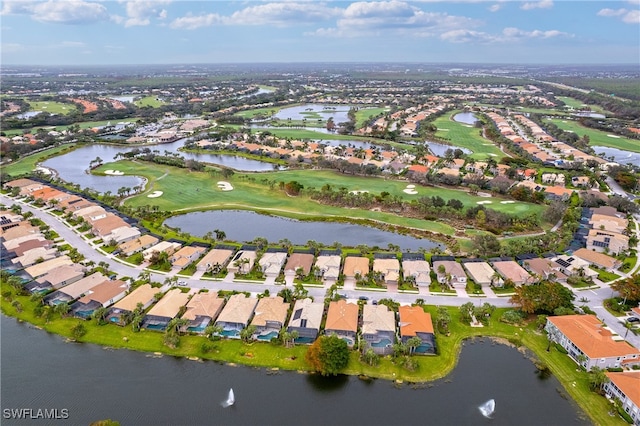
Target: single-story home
point(138, 244)
point(57, 277)
point(482, 274)
point(269, 317)
point(415, 322)
point(271, 262)
point(306, 319)
point(545, 269)
point(342, 320)
point(299, 261)
point(186, 256)
point(215, 260)
point(202, 309)
point(74, 290)
point(450, 272)
point(355, 265)
point(329, 266)
point(600, 260)
point(414, 265)
point(165, 310)
point(511, 270)
point(103, 295)
point(236, 314)
point(169, 247)
point(379, 328)
point(242, 262)
point(40, 269)
point(143, 295)
point(389, 268)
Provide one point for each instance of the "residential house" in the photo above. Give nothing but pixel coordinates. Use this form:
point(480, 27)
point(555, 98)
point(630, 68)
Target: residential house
point(242, 262)
point(202, 310)
point(414, 265)
point(607, 211)
point(355, 265)
point(589, 343)
point(104, 226)
point(342, 320)
point(269, 317)
point(379, 328)
point(26, 245)
point(600, 260)
point(510, 270)
point(329, 266)
point(90, 213)
point(389, 268)
point(625, 387)
point(18, 232)
point(168, 247)
point(186, 256)
point(306, 319)
point(40, 269)
point(15, 243)
point(558, 193)
point(143, 296)
point(545, 269)
point(103, 295)
point(56, 278)
point(34, 256)
point(450, 272)
point(271, 262)
point(482, 273)
point(138, 244)
point(74, 290)
point(608, 223)
point(572, 265)
point(215, 260)
point(165, 310)
point(122, 234)
point(415, 322)
point(236, 314)
point(298, 261)
point(606, 241)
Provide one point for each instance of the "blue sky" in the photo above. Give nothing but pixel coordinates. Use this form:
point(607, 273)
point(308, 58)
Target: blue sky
point(83, 32)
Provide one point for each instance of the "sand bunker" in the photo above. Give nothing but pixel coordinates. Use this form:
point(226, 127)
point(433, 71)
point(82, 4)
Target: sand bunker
point(507, 202)
point(225, 186)
point(614, 136)
point(113, 172)
point(484, 194)
point(484, 202)
point(358, 192)
point(155, 194)
point(410, 189)
point(43, 170)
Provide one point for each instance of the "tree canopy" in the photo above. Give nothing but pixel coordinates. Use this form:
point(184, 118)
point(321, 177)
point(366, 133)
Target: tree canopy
point(328, 355)
point(628, 288)
point(545, 297)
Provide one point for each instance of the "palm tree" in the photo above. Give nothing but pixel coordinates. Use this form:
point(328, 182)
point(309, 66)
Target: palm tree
point(213, 330)
point(62, 308)
point(246, 334)
point(413, 343)
point(99, 315)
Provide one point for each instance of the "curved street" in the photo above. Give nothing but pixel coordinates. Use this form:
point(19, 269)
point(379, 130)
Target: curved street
point(595, 297)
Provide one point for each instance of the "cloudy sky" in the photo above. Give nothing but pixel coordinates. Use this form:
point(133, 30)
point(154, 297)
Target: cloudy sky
point(79, 32)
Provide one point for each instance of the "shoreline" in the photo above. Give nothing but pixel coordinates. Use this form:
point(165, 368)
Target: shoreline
point(257, 354)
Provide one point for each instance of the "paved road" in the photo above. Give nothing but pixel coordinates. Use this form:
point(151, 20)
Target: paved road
point(595, 297)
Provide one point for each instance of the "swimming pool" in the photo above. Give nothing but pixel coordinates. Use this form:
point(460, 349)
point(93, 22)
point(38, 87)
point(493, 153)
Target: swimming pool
point(383, 343)
point(267, 337)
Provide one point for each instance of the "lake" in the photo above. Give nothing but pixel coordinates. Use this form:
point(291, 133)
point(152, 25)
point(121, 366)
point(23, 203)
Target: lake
point(39, 370)
point(619, 155)
point(246, 226)
point(338, 112)
point(438, 149)
point(72, 166)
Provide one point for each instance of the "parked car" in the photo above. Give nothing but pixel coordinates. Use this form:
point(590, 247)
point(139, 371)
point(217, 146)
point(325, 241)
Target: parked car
point(182, 283)
point(363, 298)
point(633, 319)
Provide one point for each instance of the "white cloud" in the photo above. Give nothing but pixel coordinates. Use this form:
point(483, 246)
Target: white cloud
point(73, 12)
point(512, 33)
point(626, 16)
point(190, 22)
point(394, 17)
point(495, 7)
point(140, 12)
point(467, 36)
point(508, 35)
point(283, 14)
point(538, 4)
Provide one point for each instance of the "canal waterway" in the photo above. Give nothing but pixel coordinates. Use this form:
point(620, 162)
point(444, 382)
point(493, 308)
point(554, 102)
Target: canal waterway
point(619, 156)
point(246, 226)
point(41, 371)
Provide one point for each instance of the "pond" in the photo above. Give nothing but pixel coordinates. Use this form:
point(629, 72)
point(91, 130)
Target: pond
point(438, 149)
point(311, 111)
point(72, 167)
point(245, 226)
point(41, 371)
point(466, 117)
point(28, 114)
point(124, 98)
point(619, 155)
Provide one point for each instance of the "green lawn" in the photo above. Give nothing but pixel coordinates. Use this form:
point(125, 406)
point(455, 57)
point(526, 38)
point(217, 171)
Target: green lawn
point(365, 114)
point(578, 104)
point(52, 107)
point(28, 163)
point(151, 101)
point(598, 137)
point(184, 191)
point(465, 136)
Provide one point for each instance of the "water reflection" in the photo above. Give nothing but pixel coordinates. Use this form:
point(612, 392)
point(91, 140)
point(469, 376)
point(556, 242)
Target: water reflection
point(619, 155)
point(246, 226)
point(327, 384)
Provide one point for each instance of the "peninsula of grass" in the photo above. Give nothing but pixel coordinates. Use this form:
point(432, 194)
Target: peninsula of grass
point(148, 101)
point(28, 164)
point(270, 355)
point(598, 137)
point(578, 104)
point(465, 136)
